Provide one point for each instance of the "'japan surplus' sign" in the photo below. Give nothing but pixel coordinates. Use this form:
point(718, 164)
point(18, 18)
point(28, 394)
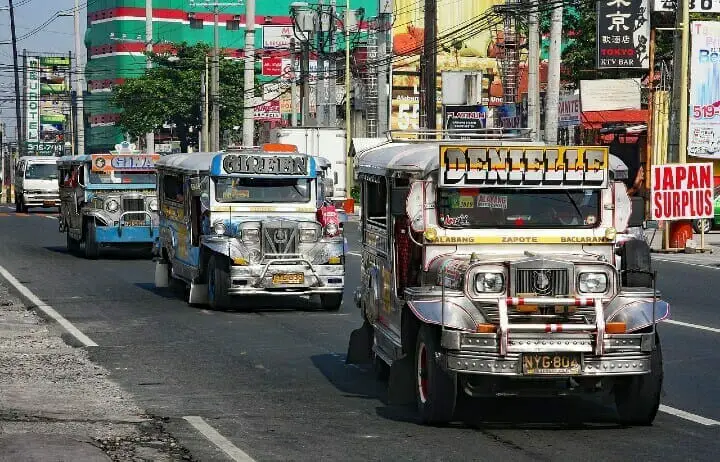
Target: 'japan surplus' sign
point(32, 114)
point(704, 120)
point(696, 6)
point(462, 166)
point(623, 34)
point(682, 191)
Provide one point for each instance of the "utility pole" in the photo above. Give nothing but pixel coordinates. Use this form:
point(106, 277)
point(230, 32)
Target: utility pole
point(533, 72)
point(684, 15)
point(293, 85)
point(79, 86)
point(332, 77)
point(249, 110)
point(215, 84)
point(150, 136)
point(348, 123)
point(16, 71)
point(553, 90)
point(430, 64)
point(305, 77)
point(321, 84)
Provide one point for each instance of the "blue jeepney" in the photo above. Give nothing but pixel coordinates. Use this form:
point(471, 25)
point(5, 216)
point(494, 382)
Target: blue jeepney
point(251, 221)
point(108, 200)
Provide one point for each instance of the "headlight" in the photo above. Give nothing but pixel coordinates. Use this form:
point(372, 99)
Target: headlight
point(308, 235)
point(219, 228)
point(332, 229)
point(593, 283)
point(153, 205)
point(251, 235)
point(112, 205)
point(492, 283)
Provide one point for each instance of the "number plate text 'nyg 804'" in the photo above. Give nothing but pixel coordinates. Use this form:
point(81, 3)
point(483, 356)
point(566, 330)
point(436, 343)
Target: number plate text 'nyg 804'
point(551, 364)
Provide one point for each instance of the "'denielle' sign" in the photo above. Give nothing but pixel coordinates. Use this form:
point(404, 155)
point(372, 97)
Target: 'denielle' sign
point(623, 34)
point(682, 191)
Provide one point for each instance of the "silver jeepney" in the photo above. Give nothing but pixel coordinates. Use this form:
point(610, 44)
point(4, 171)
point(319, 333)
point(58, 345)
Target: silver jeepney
point(497, 281)
point(249, 222)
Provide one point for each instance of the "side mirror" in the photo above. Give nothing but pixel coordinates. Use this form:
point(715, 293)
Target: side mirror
point(637, 213)
point(327, 186)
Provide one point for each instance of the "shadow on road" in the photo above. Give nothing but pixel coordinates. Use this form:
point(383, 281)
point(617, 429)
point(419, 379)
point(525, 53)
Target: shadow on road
point(112, 254)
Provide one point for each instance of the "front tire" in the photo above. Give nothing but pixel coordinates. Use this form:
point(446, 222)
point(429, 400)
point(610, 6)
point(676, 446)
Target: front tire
point(218, 283)
point(435, 388)
point(18, 208)
point(331, 302)
point(92, 248)
point(637, 399)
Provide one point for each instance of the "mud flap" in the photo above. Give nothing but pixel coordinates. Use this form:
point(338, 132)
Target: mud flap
point(161, 275)
point(198, 294)
point(401, 385)
point(360, 347)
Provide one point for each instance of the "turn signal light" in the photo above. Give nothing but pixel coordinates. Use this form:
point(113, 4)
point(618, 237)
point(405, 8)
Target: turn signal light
point(334, 260)
point(615, 328)
point(486, 328)
point(240, 261)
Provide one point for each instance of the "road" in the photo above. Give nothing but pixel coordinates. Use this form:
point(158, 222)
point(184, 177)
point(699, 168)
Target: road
point(272, 381)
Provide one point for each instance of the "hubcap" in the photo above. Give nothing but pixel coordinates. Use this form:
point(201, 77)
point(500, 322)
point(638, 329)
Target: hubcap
point(422, 372)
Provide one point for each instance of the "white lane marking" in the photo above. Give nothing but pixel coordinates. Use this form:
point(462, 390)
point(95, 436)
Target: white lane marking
point(217, 439)
point(356, 254)
point(694, 326)
point(688, 416)
point(47, 309)
point(51, 217)
point(688, 264)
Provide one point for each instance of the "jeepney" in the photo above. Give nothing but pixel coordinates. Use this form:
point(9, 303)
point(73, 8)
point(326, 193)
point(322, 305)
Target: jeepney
point(108, 200)
point(504, 268)
point(250, 221)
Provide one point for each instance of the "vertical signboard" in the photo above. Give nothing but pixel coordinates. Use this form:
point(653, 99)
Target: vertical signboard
point(623, 34)
point(704, 120)
point(32, 114)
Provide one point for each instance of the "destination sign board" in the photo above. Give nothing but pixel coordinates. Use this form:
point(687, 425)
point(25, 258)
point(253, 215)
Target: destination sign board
point(265, 165)
point(110, 162)
point(538, 166)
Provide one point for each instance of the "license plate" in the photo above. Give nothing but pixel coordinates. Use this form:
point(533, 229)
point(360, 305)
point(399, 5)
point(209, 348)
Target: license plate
point(288, 278)
point(48, 203)
point(135, 223)
point(551, 364)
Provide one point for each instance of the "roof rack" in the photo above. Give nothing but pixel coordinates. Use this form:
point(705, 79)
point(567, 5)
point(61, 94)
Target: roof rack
point(425, 135)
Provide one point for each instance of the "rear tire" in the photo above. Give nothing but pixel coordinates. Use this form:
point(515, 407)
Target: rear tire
point(636, 257)
point(331, 302)
point(218, 283)
point(436, 389)
point(92, 248)
point(637, 399)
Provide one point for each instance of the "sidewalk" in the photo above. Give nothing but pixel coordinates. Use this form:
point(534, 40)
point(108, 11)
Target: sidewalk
point(711, 255)
point(56, 405)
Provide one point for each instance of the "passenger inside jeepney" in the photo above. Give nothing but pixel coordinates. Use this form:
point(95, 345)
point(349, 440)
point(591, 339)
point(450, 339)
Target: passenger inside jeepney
point(262, 189)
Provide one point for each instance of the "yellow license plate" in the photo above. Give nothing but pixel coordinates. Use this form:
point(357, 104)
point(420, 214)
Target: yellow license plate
point(551, 364)
point(135, 223)
point(288, 278)
point(48, 203)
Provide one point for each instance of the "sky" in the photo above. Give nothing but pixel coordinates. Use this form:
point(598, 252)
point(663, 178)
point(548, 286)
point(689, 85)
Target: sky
point(56, 37)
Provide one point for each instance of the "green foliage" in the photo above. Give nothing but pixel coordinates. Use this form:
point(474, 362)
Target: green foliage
point(170, 93)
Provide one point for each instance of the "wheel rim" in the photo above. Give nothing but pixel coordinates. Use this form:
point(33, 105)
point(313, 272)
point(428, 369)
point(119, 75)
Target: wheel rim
point(422, 372)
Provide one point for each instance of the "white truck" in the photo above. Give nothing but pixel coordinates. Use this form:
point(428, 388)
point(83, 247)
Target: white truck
point(36, 183)
point(329, 143)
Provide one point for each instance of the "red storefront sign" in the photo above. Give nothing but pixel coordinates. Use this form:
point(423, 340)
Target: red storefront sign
point(272, 67)
point(682, 191)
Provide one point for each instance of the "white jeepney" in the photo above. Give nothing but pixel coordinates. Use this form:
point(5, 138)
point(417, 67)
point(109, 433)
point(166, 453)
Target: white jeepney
point(250, 221)
point(500, 267)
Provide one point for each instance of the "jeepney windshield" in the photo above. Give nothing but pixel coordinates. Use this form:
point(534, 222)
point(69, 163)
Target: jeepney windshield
point(262, 189)
point(513, 208)
point(41, 172)
point(119, 177)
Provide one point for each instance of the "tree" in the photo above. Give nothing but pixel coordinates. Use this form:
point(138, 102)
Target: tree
point(170, 93)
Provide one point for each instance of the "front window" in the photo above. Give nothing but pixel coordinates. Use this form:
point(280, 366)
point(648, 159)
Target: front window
point(262, 189)
point(513, 208)
point(115, 177)
point(41, 172)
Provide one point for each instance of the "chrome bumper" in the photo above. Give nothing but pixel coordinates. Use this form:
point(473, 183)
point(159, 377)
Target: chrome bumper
point(624, 354)
point(40, 200)
point(258, 279)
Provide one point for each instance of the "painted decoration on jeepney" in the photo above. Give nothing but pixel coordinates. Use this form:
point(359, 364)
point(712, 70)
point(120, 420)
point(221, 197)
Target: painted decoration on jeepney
point(420, 199)
point(110, 162)
point(266, 165)
point(492, 166)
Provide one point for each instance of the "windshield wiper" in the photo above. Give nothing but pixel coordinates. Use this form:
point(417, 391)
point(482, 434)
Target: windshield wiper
point(574, 204)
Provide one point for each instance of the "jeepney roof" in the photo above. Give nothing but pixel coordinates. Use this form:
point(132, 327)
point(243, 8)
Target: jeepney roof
point(416, 157)
point(74, 159)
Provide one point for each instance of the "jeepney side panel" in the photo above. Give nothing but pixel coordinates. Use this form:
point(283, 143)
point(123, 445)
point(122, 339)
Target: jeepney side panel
point(174, 223)
point(72, 197)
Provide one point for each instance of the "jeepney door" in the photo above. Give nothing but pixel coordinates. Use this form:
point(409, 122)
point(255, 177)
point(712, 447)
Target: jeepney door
point(77, 196)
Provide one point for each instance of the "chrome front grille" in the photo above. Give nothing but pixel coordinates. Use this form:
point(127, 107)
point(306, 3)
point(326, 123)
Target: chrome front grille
point(279, 241)
point(133, 205)
point(542, 282)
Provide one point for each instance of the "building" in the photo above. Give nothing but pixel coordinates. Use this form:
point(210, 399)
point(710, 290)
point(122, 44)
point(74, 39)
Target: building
point(115, 41)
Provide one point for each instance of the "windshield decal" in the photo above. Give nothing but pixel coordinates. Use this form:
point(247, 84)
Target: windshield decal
point(492, 201)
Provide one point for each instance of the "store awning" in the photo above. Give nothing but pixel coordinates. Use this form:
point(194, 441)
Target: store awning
point(596, 119)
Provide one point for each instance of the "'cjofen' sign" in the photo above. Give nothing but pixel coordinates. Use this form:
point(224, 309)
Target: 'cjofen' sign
point(32, 112)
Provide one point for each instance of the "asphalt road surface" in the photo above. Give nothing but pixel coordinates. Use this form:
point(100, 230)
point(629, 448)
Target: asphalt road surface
point(270, 383)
